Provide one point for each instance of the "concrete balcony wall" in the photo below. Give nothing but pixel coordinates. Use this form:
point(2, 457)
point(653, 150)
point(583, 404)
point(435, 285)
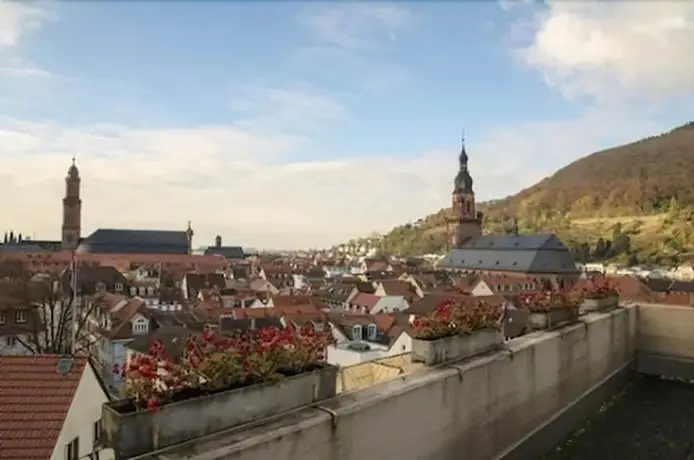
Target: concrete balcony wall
point(665, 340)
point(480, 409)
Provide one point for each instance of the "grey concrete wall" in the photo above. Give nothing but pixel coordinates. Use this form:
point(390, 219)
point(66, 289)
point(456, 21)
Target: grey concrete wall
point(665, 340)
point(479, 409)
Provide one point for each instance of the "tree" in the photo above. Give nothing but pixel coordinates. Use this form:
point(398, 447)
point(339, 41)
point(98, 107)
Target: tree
point(51, 329)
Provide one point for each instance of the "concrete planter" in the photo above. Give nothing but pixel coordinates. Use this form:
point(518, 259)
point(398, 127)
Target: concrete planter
point(552, 318)
point(137, 433)
point(606, 302)
point(456, 347)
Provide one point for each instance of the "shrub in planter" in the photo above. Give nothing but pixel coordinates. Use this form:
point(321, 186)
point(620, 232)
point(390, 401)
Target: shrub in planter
point(456, 330)
point(219, 382)
point(600, 295)
point(551, 308)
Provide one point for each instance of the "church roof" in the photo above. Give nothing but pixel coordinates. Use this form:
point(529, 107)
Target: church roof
point(541, 253)
point(117, 241)
point(228, 252)
point(25, 247)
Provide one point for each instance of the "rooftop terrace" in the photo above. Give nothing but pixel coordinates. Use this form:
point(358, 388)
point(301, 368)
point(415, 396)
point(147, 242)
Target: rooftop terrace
point(517, 403)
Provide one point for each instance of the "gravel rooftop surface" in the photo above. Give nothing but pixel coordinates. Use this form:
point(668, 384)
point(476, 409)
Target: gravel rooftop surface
point(649, 419)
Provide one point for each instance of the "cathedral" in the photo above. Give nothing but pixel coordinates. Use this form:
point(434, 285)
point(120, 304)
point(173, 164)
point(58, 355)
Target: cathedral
point(532, 254)
point(101, 241)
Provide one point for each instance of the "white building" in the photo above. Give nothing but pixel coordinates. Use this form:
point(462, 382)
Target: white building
point(62, 401)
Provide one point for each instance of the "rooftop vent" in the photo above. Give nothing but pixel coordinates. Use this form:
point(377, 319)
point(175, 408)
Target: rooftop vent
point(64, 366)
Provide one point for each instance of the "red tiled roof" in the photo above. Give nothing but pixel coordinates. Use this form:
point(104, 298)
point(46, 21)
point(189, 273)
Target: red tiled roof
point(365, 300)
point(34, 401)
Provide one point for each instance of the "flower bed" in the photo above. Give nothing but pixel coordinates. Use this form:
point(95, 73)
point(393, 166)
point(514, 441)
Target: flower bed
point(601, 295)
point(456, 331)
point(219, 382)
point(551, 308)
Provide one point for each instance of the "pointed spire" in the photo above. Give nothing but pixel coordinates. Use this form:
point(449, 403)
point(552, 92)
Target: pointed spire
point(463, 159)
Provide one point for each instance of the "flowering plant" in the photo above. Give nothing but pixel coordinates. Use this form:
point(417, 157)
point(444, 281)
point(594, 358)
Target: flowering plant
point(601, 287)
point(546, 301)
point(451, 318)
point(212, 362)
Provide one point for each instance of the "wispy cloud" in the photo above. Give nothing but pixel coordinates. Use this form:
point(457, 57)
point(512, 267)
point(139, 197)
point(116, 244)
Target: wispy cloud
point(357, 27)
point(17, 21)
point(299, 107)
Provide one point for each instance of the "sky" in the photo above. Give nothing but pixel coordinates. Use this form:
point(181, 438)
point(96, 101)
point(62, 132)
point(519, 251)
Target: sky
point(296, 125)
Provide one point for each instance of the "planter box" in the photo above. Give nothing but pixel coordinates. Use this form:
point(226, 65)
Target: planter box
point(606, 302)
point(141, 432)
point(553, 318)
point(456, 347)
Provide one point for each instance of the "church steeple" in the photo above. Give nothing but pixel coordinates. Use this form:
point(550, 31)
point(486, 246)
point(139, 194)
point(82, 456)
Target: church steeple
point(467, 222)
point(189, 237)
point(72, 209)
point(463, 180)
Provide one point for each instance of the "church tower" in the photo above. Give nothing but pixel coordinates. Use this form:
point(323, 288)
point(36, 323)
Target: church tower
point(465, 222)
point(72, 210)
point(189, 238)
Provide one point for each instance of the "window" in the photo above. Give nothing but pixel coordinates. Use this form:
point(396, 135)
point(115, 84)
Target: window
point(150, 291)
point(133, 290)
point(356, 332)
point(3, 317)
point(72, 450)
point(21, 316)
point(140, 326)
point(372, 331)
point(11, 341)
point(119, 287)
point(96, 428)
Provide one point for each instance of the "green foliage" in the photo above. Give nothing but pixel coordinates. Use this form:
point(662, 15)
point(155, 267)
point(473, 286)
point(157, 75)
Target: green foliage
point(634, 183)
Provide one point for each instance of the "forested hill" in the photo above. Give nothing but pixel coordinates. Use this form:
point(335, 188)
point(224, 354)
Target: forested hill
point(642, 188)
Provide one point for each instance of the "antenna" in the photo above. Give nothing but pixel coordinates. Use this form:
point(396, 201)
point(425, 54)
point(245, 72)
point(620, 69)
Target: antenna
point(73, 306)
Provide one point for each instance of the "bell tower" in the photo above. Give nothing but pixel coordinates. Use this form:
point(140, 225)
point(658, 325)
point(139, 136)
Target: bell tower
point(465, 222)
point(72, 210)
point(189, 238)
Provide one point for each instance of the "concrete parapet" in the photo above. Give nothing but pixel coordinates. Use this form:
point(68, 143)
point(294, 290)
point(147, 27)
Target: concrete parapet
point(482, 408)
point(665, 340)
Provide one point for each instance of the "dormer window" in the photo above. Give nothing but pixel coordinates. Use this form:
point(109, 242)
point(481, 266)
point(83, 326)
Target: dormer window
point(140, 326)
point(372, 331)
point(21, 316)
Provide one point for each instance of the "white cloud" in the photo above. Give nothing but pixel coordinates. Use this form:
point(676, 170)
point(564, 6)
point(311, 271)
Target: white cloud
point(615, 49)
point(238, 184)
point(18, 19)
point(357, 27)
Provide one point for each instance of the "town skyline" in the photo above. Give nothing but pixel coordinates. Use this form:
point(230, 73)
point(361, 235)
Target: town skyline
point(343, 120)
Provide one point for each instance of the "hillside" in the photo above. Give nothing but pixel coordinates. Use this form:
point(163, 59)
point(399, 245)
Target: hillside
point(630, 203)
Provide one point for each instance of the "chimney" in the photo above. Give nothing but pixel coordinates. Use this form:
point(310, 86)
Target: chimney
point(218, 241)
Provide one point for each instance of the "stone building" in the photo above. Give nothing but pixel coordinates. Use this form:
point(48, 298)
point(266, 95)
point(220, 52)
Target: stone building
point(538, 255)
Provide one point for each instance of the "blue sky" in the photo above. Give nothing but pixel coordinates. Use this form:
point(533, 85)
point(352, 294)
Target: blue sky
point(304, 124)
